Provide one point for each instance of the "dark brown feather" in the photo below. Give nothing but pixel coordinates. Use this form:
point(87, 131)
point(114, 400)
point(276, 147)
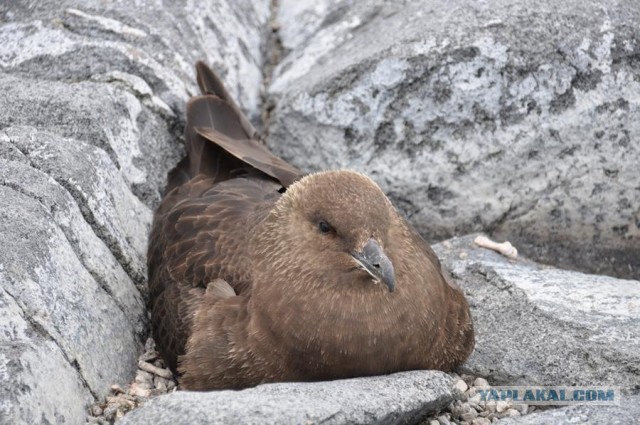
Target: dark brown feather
point(245, 288)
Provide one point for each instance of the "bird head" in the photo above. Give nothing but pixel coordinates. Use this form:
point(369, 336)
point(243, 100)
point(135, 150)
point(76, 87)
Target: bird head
point(335, 226)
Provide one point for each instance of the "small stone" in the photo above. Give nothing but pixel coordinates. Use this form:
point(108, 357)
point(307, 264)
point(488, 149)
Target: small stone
point(501, 406)
point(116, 389)
point(480, 382)
point(476, 406)
point(96, 410)
point(490, 406)
point(460, 386)
point(469, 415)
point(522, 408)
point(110, 412)
point(161, 384)
point(444, 420)
point(463, 255)
point(155, 369)
point(150, 345)
point(481, 421)
point(143, 377)
point(98, 421)
point(510, 413)
point(138, 390)
point(434, 422)
point(149, 356)
point(459, 409)
point(468, 378)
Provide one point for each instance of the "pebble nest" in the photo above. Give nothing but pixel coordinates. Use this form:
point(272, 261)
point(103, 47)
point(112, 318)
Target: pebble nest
point(153, 378)
point(469, 409)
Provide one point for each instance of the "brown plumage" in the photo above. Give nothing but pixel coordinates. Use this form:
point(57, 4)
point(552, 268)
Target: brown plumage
point(258, 273)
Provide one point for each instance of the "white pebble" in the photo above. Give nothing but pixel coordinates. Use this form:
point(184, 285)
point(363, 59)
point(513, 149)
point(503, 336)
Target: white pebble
point(512, 412)
point(469, 416)
point(522, 408)
point(461, 386)
point(480, 382)
point(501, 406)
point(444, 420)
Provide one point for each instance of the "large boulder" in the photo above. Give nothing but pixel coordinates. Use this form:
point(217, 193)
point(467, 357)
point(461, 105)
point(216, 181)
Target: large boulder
point(402, 398)
point(91, 118)
point(513, 117)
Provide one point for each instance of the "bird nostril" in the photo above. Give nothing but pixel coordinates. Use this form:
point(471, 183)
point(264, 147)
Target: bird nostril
point(377, 266)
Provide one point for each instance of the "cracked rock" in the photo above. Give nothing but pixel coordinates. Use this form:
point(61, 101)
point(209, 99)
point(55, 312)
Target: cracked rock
point(475, 116)
point(91, 120)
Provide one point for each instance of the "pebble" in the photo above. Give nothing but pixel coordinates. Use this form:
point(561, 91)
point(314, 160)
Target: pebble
point(480, 382)
point(470, 409)
point(522, 408)
point(501, 406)
point(511, 413)
point(461, 386)
point(444, 420)
point(151, 379)
point(469, 416)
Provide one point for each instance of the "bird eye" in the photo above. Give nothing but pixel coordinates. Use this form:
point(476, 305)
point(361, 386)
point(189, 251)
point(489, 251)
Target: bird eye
point(324, 227)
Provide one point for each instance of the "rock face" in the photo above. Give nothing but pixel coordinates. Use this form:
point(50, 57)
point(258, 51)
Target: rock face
point(510, 117)
point(399, 398)
point(91, 110)
point(543, 326)
point(517, 118)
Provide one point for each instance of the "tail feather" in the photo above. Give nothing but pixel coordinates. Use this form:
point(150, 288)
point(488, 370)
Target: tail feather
point(209, 83)
point(221, 142)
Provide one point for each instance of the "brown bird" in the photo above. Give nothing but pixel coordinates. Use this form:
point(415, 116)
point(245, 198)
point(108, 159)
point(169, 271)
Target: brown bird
point(259, 273)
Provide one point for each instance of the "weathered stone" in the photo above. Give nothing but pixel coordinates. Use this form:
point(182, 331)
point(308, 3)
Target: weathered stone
point(476, 116)
point(91, 118)
point(542, 326)
point(400, 398)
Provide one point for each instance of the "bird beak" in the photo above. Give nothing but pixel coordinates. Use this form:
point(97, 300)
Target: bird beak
point(378, 265)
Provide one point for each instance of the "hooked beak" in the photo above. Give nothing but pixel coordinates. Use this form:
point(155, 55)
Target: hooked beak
point(378, 265)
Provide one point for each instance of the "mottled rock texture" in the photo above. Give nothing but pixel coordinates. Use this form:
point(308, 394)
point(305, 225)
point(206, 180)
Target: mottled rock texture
point(514, 117)
point(93, 95)
point(402, 398)
point(539, 325)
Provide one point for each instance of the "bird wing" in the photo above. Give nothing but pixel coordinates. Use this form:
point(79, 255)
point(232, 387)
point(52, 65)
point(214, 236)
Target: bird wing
point(200, 234)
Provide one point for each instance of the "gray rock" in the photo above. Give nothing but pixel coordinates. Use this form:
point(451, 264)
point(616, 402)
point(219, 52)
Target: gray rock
point(627, 413)
point(545, 326)
point(91, 119)
point(400, 398)
point(512, 117)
